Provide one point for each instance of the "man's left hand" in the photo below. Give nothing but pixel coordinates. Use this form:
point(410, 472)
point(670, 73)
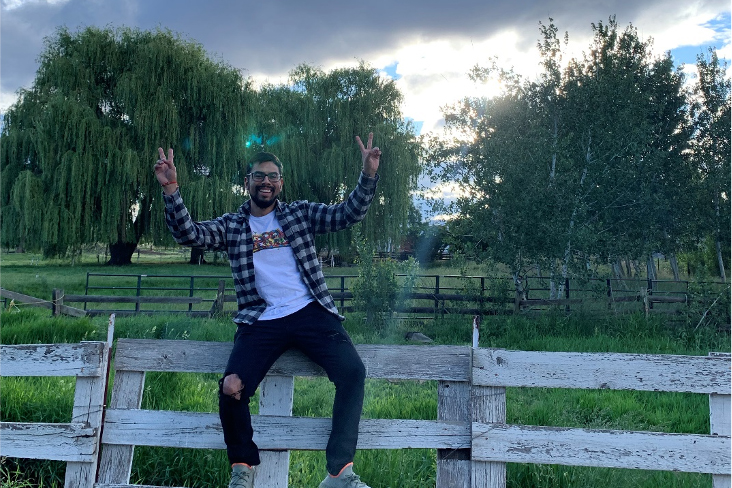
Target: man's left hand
point(369, 155)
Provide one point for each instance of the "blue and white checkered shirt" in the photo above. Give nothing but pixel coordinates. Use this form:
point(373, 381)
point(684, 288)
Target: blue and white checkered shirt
point(300, 221)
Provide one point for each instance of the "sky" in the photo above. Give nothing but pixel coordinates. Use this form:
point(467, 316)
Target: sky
point(428, 46)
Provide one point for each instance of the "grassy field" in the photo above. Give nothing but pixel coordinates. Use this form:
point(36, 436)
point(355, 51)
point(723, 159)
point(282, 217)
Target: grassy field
point(49, 399)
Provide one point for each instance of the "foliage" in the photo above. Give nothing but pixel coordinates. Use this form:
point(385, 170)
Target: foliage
point(711, 153)
point(79, 145)
point(377, 291)
point(585, 165)
point(709, 308)
point(311, 124)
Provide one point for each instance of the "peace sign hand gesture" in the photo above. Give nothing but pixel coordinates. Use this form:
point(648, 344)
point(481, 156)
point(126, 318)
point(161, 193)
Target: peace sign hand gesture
point(369, 155)
point(165, 171)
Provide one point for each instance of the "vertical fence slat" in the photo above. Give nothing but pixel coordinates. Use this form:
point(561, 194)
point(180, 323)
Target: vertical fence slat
point(720, 422)
point(88, 407)
point(139, 289)
point(488, 405)
point(116, 461)
point(57, 299)
point(453, 404)
point(275, 398)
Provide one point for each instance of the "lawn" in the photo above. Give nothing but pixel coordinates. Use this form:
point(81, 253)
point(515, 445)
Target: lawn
point(49, 399)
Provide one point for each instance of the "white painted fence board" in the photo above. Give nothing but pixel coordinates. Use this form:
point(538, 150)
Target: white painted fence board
point(127, 485)
point(84, 359)
point(404, 362)
point(488, 405)
point(720, 423)
point(58, 442)
point(275, 398)
point(88, 408)
point(453, 404)
point(694, 374)
point(116, 461)
point(609, 449)
point(203, 431)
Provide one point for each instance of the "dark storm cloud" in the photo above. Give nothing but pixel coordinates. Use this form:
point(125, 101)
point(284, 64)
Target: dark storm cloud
point(272, 37)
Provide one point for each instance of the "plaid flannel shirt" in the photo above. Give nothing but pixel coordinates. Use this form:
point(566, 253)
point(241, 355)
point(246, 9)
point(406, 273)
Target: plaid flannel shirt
point(300, 221)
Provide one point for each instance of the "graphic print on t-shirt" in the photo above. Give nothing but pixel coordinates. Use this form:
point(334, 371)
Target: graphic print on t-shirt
point(270, 240)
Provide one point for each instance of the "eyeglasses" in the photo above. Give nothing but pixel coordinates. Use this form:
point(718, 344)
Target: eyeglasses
point(258, 176)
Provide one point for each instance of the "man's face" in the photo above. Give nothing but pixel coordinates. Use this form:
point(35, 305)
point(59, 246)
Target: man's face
point(264, 193)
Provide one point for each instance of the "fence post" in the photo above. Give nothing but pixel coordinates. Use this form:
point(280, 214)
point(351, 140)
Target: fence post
point(89, 391)
point(649, 293)
point(56, 301)
point(139, 286)
point(453, 404)
point(488, 405)
point(86, 288)
point(343, 292)
point(566, 294)
point(437, 292)
point(275, 398)
point(190, 292)
point(720, 410)
point(115, 465)
point(218, 304)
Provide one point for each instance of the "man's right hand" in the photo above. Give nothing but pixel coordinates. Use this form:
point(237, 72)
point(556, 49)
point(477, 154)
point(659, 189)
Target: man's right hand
point(165, 172)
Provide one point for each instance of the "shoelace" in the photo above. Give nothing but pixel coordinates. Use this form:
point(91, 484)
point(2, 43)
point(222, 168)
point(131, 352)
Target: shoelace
point(355, 481)
point(238, 476)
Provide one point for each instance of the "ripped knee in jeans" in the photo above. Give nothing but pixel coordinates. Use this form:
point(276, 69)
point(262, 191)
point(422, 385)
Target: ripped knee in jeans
point(231, 385)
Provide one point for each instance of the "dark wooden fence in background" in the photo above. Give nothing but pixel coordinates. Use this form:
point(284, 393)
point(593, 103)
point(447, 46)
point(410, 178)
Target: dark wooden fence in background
point(205, 295)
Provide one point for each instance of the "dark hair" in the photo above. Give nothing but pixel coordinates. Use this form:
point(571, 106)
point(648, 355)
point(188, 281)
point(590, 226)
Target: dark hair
point(263, 157)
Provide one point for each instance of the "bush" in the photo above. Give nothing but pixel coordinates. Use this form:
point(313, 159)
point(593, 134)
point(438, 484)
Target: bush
point(377, 291)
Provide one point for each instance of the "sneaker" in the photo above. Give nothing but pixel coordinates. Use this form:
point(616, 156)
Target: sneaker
point(242, 476)
point(345, 479)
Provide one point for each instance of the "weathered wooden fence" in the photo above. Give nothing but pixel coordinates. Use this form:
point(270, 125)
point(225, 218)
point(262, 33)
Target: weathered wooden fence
point(216, 303)
point(76, 442)
point(471, 436)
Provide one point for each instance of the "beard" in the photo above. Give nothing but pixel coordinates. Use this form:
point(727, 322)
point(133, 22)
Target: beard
point(263, 202)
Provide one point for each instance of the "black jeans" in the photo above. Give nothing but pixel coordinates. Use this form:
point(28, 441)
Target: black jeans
point(318, 334)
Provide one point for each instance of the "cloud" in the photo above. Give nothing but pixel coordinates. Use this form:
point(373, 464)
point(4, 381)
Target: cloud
point(432, 43)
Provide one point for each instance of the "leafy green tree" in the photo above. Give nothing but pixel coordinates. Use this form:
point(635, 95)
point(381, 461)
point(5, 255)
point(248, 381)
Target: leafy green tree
point(629, 122)
point(78, 146)
point(585, 163)
point(311, 124)
point(711, 153)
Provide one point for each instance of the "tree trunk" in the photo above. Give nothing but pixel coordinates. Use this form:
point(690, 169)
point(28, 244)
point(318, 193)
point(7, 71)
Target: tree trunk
point(197, 255)
point(120, 253)
point(675, 267)
point(720, 260)
point(651, 272)
point(618, 269)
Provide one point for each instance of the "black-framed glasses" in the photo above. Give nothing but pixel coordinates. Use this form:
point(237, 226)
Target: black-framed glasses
point(258, 176)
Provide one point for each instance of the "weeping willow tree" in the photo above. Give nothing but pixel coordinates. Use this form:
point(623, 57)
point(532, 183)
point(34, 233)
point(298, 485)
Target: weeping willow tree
point(311, 123)
point(78, 147)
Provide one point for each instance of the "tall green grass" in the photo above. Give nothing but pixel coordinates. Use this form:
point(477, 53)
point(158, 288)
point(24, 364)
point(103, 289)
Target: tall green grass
point(49, 399)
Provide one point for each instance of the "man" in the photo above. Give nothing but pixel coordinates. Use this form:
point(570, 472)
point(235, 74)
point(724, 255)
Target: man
point(283, 301)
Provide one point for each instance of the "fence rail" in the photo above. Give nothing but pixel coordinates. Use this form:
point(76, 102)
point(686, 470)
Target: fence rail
point(206, 295)
point(76, 442)
point(471, 435)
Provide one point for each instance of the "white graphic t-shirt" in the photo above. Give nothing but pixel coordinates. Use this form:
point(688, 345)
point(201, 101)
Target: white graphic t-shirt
point(276, 276)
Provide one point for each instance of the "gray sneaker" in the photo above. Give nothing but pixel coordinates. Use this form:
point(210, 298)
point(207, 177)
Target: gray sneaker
point(346, 479)
point(241, 476)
